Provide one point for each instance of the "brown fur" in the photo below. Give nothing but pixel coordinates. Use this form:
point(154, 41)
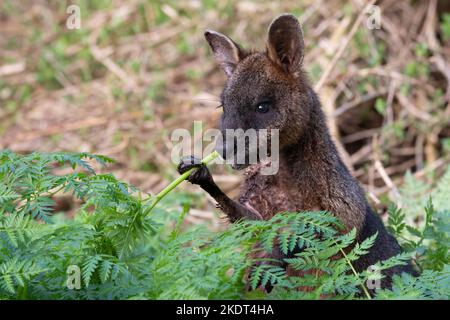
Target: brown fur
point(311, 174)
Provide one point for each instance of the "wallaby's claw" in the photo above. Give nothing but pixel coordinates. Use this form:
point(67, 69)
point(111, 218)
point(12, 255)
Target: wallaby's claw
point(201, 176)
point(188, 163)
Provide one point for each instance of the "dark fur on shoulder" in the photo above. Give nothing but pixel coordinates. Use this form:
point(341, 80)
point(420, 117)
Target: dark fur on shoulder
point(311, 174)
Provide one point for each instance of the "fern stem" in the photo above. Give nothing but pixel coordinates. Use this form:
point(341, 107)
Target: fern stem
point(178, 180)
point(23, 294)
point(355, 273)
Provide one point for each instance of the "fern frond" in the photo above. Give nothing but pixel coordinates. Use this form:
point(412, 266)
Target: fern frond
point(89, 267)
point(14, 273)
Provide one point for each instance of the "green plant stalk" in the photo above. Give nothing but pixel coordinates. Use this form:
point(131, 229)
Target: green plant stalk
point(356, 274)
point(178, 180)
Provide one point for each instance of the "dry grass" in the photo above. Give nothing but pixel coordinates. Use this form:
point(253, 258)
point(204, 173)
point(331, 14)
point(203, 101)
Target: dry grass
point(138, 69)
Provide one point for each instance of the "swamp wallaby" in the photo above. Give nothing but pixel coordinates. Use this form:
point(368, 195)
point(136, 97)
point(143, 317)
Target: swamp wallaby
point(269, 90)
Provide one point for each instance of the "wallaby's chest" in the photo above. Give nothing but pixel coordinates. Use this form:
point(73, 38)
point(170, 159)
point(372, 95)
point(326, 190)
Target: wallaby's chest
point(270, 194)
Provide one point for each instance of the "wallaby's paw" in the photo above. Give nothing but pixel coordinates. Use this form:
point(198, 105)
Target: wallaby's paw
point(188, 163)
point(200, 176)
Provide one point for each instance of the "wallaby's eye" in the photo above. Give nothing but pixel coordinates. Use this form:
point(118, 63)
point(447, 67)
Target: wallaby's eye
point(263, 107)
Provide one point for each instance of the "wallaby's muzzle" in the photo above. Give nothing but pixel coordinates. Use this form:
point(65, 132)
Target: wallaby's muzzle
point(234, 154)
point(241, 148)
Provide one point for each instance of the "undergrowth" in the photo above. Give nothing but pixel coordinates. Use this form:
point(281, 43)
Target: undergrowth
point(116, 248)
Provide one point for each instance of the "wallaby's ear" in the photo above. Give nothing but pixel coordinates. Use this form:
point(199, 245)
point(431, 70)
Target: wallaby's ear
point(227, 52)
point(285, 44)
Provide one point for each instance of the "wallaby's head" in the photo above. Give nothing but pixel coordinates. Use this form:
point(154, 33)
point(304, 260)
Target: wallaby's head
point(264, 90)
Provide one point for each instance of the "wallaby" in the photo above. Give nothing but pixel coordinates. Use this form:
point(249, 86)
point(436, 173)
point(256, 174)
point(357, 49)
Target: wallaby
point(269, 90)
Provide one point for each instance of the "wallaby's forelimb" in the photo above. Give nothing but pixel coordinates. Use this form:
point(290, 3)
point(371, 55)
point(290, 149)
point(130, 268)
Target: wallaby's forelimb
point(202, 177)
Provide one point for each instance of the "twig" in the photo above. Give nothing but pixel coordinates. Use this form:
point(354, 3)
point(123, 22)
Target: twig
point(386, 178)
point(359, 100)
point(103, 58)
point(343, 46)
point(14, 68)
point(409, 106)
